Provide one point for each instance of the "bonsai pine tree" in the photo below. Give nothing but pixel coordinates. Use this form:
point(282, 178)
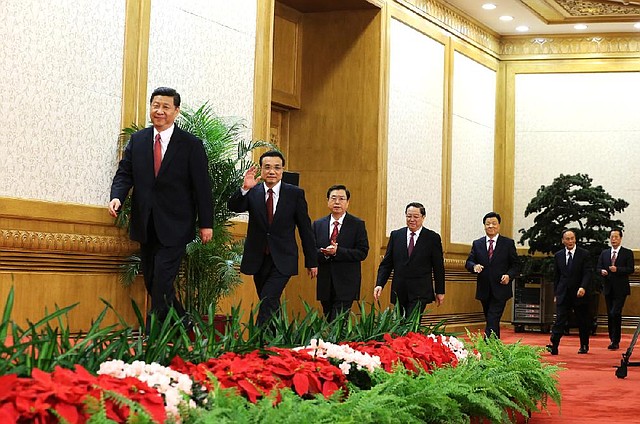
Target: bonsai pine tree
point(571, 201)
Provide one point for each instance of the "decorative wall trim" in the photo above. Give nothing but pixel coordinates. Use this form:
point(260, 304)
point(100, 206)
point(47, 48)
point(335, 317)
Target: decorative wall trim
point(458, 25)
point(64, 242)
point(524, 47)
point(561, 46)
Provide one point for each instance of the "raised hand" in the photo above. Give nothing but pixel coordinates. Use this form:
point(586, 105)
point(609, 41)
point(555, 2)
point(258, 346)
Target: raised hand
point(250, 179)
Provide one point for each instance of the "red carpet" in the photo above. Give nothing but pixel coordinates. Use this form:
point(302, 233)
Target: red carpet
point(591, 393)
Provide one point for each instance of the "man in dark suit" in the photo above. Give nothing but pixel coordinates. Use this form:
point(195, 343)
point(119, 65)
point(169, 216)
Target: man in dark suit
point(342, 244)
point(270, 249)
point(572, 285)
point(495, 261)
point(615, 265)
point(167, 168)
point(414, 254)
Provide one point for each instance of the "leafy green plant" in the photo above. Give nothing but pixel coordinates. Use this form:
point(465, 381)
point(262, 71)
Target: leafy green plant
point(571, 201)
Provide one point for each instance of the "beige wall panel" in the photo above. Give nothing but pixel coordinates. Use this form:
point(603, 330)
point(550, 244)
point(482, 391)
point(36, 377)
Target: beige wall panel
point(415, 127)
point(61, 67)
point(211, 58)
point(561, 128)
point(472, 163)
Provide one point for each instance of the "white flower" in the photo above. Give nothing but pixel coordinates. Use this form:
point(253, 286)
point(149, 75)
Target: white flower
point(346, 354)
point(173, 385)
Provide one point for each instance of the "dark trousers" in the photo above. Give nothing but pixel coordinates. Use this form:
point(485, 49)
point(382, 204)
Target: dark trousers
point(493, 309)
point(270, 284)
point(160, 265)
point(409, 304)
point(333, 306)
point(614, 316)
point(583, 318)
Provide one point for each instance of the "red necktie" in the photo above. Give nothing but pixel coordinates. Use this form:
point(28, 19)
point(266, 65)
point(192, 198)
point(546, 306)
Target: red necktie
point(411, 244)
point(490, 248)
point(334, 233)
point(613, 258)
point(157, 155)
point(270, 206)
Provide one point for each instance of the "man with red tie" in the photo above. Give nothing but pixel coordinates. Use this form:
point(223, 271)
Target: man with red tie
point(167, 169)
point(615, 265)
point(342, 244)
point(495, 261)
point(414, 254)
point(275, 209)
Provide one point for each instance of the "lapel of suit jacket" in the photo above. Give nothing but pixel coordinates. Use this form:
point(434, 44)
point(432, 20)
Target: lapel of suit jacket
point(608, 258)
point(498, 247)
point(324, 231)
point(417, 244)
point(260, 199)
point(344, 227)
point(175, 143)
point(482, 250)
point(282, 202)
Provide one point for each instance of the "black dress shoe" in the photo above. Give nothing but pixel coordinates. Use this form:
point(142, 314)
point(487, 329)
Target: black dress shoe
point(583, 349)
point(613, 346)
point(553, 349)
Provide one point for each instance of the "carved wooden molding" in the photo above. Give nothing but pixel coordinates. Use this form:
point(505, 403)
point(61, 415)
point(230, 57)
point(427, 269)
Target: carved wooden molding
point(525, 47)
point(570, 46)
point(466, 29)
point(63, 242)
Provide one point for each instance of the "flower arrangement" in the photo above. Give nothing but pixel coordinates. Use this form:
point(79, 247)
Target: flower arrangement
point(260, 374)
point(174, 386)
point(74, 395)
point(414, 351)
point(344, 354)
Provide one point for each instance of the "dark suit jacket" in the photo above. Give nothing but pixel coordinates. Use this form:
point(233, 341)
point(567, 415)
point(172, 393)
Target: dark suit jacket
point(343, 268)
point(567, 281)
point(616, 284)
point(504, 261)
point(291, 212)
point(180, 193)
point(418, 272)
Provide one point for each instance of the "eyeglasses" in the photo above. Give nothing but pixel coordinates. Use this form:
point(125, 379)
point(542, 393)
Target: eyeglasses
point(414, 216)
point(338, 198)
point(276, 168)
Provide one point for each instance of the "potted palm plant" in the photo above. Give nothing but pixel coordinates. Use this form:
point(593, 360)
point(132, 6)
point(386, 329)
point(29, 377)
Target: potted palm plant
point(209, 271)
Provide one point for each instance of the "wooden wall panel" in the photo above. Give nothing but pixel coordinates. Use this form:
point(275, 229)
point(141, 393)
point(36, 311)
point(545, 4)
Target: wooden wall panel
point(287, 34)
point(335, 135)
point(61, 254)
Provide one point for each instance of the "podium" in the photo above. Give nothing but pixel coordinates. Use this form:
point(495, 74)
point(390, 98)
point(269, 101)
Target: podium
point(532, 303)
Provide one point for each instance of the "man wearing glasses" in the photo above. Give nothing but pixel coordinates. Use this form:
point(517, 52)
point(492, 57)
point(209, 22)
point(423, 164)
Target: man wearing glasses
point(342, 244)
point(414, 254)
point(270, 249)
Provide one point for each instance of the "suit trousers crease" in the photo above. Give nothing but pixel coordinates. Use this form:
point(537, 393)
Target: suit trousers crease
point(270, 284)
point(333, 307)
point(583, 318)
point(160, 267)
point(493, 308)
point(614, 316)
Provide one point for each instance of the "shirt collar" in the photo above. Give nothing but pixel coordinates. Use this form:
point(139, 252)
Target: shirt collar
point(495, 238)
point(275, 188)
point(340, 220)
point(416, 232)
point(165, 135)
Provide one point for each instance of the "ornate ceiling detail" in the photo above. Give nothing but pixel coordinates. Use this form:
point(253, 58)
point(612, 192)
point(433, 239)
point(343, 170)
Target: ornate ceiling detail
point(570, 11)
point(597, 8)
